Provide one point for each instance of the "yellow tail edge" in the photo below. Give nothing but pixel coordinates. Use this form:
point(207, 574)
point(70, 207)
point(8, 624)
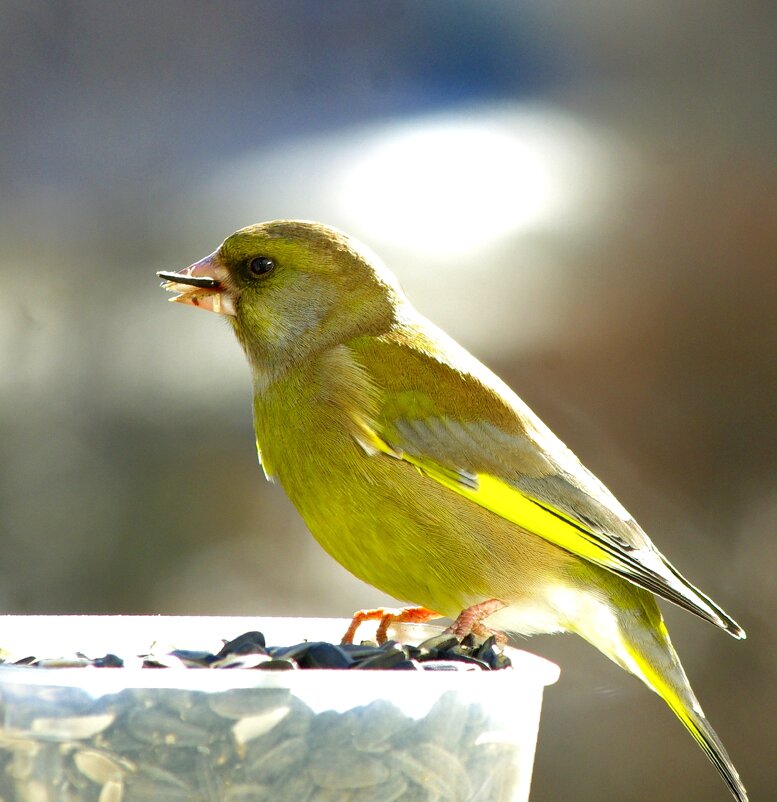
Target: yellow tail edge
point(683, 704)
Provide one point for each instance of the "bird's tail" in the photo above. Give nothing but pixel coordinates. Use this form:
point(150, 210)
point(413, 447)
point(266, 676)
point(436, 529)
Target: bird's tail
point(648, 653)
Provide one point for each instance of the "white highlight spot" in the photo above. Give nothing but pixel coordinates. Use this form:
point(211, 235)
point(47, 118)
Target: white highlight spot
point(451, 185)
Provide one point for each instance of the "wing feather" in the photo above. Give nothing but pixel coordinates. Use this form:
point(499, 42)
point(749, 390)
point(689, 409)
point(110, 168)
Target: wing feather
point(469, 432)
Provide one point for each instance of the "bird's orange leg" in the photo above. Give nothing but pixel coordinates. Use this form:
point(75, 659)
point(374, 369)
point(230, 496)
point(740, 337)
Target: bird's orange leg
point(387, 617)
point(470, 620)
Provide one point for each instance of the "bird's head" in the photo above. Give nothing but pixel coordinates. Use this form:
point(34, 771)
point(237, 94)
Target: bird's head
point(291, 288)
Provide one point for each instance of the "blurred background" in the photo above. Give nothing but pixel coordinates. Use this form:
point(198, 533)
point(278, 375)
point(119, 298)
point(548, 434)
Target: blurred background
point(583, 194)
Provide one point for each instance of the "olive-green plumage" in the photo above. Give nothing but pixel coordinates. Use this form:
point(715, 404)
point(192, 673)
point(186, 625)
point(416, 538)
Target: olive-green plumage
point(423, 474)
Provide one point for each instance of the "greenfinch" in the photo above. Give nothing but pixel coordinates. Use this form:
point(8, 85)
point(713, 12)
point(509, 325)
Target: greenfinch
point(424, 475)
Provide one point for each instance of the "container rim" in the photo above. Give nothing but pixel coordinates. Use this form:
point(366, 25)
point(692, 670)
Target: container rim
point(131, 635)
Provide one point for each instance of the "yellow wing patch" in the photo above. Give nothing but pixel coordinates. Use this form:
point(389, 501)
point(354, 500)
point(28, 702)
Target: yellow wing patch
point(511, 504)
point(506, 501)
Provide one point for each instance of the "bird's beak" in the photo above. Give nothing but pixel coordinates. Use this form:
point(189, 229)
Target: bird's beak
point(203, 284)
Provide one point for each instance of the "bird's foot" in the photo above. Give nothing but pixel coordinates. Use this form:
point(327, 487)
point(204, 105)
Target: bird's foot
point(470, 620)
point(387, 617)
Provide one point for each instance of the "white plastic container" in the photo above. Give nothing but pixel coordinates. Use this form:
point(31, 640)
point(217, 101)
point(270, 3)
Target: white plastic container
point(242, 735)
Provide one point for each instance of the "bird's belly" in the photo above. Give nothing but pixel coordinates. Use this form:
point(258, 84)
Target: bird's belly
point(420, 542)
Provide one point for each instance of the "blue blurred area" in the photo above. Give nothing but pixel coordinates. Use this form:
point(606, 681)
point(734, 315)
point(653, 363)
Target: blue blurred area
point(103, 91)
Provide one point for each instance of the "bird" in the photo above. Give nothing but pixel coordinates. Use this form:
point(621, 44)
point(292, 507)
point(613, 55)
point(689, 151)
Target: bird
point(423, 474)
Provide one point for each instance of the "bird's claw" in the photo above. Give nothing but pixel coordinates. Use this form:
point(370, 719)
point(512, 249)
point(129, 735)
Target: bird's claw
point(386, 617)
point(470, 620)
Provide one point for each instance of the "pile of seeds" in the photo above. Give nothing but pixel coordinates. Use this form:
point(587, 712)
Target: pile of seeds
point(254, 744)
point(443, 652)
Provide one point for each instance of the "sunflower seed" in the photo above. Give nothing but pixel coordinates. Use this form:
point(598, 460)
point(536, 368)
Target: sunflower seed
point(101, 767)
point(377, 724)
point(158, 727)
point(249, 792)
point(238, 703)
point(112, 791)
point(71, 727)
point(250, 727)
point(339, 768)
point(279, 760)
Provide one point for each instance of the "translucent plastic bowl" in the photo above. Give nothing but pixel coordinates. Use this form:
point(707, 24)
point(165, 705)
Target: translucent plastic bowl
point(241, 735)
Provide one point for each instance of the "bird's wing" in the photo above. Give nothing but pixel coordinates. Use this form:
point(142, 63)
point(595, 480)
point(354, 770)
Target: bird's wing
point(462, 427)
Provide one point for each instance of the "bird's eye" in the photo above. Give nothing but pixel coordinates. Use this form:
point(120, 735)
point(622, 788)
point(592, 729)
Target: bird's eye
point(260, 265)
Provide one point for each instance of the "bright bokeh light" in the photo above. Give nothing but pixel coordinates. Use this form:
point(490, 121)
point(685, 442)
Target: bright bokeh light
point(459, 183)
point(451, 185)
